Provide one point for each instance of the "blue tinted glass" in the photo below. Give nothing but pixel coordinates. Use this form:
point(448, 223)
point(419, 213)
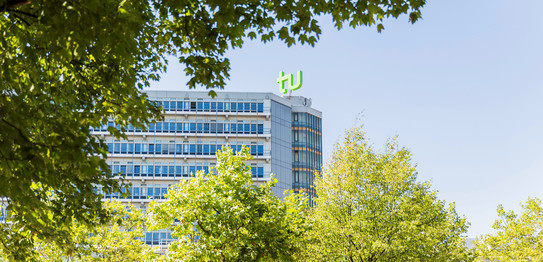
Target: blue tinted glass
point(179, 106)
point(192, 149)
point(213, 106)
point(110, 147)
point(151, 148)
point(200, 106)
point(199, 127)
point(178, 149)
point(247, 107)
point(260, 128)
point(260, 107)
point(233, 107)
point(212, 149)
point(220, 106)
point(253, 107)
point(206, 128)
point(158, 148)
point(260, 150)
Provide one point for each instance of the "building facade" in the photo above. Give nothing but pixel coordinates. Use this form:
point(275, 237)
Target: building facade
point(282, 133)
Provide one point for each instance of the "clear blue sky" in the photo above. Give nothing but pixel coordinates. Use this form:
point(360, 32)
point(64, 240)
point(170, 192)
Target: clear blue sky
point(463, 90)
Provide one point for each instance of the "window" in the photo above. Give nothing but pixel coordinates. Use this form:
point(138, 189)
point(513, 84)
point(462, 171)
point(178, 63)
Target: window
point(117, 148)
point(296, 156)
point(192, 106)
point(158, 148)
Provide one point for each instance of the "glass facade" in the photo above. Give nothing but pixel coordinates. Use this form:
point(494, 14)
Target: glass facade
point(194, 126)
point(211, 106)
point(165, 170)
point(306, 152)
point(169, 148)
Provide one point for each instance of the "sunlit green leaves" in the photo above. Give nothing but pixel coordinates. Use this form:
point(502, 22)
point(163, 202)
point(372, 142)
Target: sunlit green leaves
point(518, 237)
point(116, 240)
point(68, 66)
point(371, 208)
point(223, 216)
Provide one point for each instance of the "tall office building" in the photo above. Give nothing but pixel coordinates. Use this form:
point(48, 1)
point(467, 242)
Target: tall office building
point(282, 133)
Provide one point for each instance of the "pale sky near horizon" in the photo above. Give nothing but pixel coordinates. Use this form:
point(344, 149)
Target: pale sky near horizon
point(462, 89)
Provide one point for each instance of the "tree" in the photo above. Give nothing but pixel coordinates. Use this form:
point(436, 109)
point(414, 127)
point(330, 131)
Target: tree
point(518, 237)
point(223, 216)
point(371, 208)
point(117, 240)
point(69, 66)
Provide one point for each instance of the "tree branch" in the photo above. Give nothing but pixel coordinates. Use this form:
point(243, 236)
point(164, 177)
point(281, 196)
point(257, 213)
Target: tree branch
point(11, 4)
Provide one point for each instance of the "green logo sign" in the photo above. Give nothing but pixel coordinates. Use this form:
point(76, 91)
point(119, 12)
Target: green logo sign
point(290, 79)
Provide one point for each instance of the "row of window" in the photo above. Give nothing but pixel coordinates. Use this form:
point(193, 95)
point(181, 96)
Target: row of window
point(306, 138)
point(141, 170)
point(307, 120)
point(306, 159)
point(177, 149)
point(158, 238)
point(197, 106)
point(142, 192)
point(200, 128)
point(303, 179)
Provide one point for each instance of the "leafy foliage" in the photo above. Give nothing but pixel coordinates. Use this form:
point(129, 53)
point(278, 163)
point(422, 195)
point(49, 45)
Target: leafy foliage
point(68, 66)
point(371, 208)
point(114, 241)
point(518, 237)
point(223, 216)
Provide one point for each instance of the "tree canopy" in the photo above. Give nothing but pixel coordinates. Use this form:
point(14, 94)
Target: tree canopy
point(223, 216)
point(518, 237)
point(370, 207)
point(68, 66)
point(115, 240)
